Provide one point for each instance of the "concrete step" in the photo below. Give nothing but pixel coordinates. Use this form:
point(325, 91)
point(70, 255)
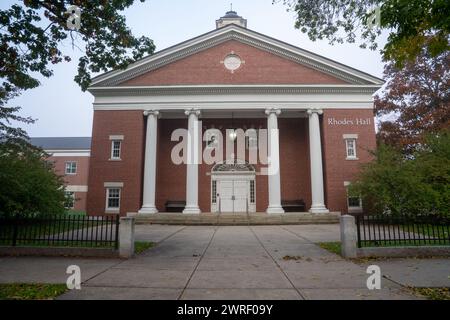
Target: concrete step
point(236, 219)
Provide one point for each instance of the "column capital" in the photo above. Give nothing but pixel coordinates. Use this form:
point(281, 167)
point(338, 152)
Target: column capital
point(151, 112)
point(314, 110)
point(194, 111)
point(275, 111)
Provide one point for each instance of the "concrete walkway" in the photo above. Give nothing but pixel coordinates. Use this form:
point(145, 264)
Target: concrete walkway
point(231, 262)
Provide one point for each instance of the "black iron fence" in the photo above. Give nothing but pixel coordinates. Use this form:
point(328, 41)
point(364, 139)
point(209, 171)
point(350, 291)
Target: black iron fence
point(402, 230)
point(60, 231)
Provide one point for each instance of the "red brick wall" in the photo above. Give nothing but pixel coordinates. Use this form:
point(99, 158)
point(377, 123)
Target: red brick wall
point(336, 168)
point(129, 170)
point(260, 67)
point(81, 177)
point(78, 179)
point(80, 201)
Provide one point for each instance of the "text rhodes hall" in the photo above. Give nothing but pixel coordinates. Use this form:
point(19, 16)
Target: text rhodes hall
point(229, 121)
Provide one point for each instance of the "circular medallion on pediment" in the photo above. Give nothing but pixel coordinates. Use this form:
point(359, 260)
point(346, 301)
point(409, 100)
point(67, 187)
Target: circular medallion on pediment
point(232, 62)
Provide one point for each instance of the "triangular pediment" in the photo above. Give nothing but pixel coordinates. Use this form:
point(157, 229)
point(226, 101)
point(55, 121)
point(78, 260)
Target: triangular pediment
point(264, 61)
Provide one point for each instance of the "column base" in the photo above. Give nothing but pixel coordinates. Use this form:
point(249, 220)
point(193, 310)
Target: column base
point(148, 210)
point(192, 210)
point(275, 210)
point(319, 209)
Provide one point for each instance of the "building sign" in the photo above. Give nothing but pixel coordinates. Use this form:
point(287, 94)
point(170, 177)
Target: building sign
point(349, 122)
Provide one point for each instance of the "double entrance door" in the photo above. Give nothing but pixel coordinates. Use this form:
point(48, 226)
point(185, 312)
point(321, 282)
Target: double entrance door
point(233, 195)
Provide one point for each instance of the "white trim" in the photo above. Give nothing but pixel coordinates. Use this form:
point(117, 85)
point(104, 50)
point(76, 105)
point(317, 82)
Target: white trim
point(65, 167)
point(75, 188)
point(113, 209)
point(113, 184)
point(69, 153)
point(233, 32)
point(116, 137)
point(350, 136)
point(115, 158)
point(347, 142)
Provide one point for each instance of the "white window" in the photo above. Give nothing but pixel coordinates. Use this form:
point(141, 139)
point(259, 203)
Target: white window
point(70, 200)
point(350, 146)
point(214, 191)
point(115, 149)
point(113, 199)
point(252, 191)
point(71, 167)
point(212, 138)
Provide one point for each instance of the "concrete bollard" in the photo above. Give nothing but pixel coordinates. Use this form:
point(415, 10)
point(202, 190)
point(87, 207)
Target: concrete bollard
point(348, 236)
point(126, 237)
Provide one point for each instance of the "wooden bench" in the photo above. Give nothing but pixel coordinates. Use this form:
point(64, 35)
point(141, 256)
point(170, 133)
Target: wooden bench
point(293, 205)
point(175, 205)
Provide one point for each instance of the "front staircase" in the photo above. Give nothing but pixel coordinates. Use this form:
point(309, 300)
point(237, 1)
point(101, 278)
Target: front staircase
point(236, 219)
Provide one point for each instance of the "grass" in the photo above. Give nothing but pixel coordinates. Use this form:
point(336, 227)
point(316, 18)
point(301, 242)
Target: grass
point(433, 293)
point(21, 291)
point(43, 228)
point(334, 247)
point(141, 246)
point(403, 243)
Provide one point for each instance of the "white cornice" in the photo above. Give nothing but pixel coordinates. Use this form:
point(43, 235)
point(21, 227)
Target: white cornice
point(231, 89)
point(233, 32)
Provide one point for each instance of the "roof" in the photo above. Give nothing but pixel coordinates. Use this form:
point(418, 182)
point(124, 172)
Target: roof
point(62, 143)
point(231, 14)
point(233, 31)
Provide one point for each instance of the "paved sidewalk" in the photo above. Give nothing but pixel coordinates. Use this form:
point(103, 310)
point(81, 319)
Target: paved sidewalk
point(231, 262)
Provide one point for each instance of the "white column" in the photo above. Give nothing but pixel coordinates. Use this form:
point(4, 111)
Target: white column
point(315, 147)
point(148, 205)
point(192, 162)
point(274, 161)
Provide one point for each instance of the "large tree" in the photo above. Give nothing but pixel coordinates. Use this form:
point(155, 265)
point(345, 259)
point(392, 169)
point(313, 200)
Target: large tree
point(31, 36)
point(29, 185)
point(417, 185)
point(412, 24)
point(415, 101)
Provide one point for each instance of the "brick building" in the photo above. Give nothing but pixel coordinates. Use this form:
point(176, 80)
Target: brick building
point(70, 156)
point(316, 115)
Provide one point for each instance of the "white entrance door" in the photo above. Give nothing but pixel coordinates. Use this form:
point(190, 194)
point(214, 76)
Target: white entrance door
point(233, 195)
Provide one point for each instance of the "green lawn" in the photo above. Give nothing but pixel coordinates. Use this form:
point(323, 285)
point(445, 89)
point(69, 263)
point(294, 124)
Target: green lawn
point(334, 247)
point(72, 224)
point(433, 293)
point(403, 243)
point(141, 246)
point(21, 291)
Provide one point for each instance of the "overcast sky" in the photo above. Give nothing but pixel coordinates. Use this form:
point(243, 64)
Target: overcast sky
point(62, 109)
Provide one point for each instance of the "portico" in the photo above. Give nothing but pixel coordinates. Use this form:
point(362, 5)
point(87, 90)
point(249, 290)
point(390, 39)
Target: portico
point(232, 180)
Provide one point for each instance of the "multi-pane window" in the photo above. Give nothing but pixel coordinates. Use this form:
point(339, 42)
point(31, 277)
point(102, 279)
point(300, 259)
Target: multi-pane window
point(115, 149)
point(112, 198)
point(214, 191)
point(350, 145)
point(71, 167)
point(70, 200)
point(252, 191)
point(354, 202)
